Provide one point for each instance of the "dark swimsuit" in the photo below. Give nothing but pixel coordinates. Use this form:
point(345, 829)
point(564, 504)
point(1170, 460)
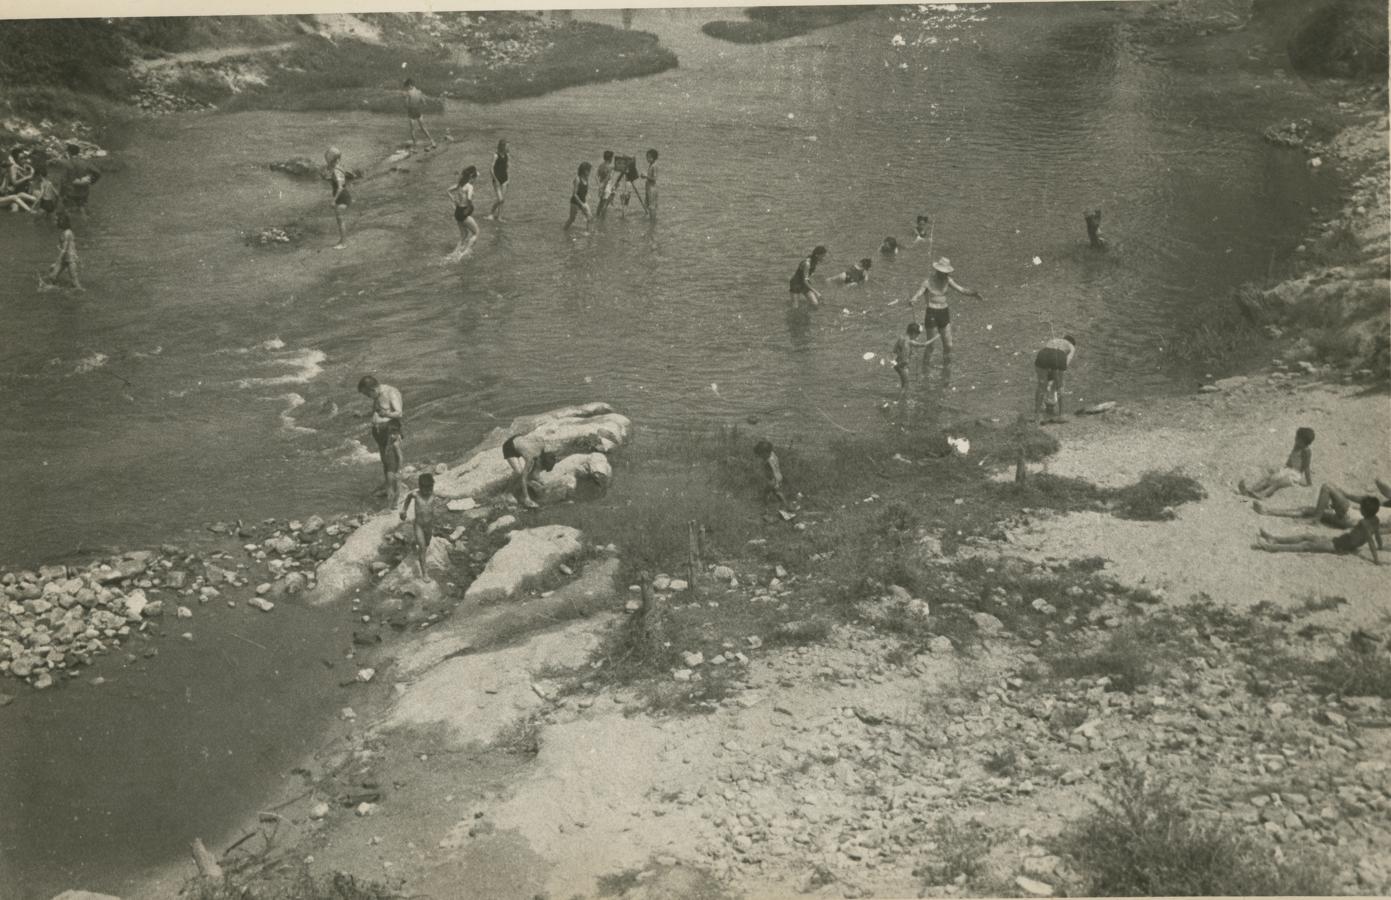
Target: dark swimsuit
point(581, 191)
point(855, 276)
point(500, 169)
point(1051, 359)
point(341, 197)
point(1349, 541)
point(509, 449)
point(463, 210)
point(798, 284)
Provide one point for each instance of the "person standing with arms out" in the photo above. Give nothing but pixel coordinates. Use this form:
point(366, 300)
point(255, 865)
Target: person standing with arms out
point(338, 184)
point(579, 194)
point(937, 317)
point(500, 176)
point(800, 285)
point(1050, 364)
point(462, 195)
point(650, 188)
point(387, 426)
point(415, 110)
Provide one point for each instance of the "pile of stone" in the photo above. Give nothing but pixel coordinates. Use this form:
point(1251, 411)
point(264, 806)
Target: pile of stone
point(158, 101)
point(275, 236)
point(1297, 134)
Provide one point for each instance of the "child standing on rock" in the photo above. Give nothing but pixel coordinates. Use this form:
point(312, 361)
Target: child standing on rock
point(423, 497)
point(1296, 470)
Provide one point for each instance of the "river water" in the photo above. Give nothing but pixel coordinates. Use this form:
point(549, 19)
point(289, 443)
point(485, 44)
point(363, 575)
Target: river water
point(199, 379)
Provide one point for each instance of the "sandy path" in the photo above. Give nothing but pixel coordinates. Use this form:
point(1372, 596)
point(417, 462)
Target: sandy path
point(1217, 439)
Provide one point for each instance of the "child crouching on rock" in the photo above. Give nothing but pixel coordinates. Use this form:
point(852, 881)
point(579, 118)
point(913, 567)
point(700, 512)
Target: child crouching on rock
point(424, 524)
point(524, 453)
point(1296, 470)
point(770, 470)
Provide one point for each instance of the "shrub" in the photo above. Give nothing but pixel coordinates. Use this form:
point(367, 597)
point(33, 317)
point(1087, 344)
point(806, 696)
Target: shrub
point(1155, 495)
point(1353, 674)
point(1141, 840)
point(956, 850)
point(1346, 38)
point(774, 23)
point(287, 881)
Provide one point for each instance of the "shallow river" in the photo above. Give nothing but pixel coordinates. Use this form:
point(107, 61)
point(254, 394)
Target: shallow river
point(200, 379)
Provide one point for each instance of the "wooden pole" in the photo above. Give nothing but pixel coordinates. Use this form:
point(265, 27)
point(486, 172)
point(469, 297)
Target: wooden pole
point(205, 861)
point(691, 554)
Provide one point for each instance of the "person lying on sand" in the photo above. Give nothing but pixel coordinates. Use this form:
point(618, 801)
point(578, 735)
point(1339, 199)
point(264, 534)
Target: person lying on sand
point(1366, 531)
point(1296, 469)
point(1333, 507)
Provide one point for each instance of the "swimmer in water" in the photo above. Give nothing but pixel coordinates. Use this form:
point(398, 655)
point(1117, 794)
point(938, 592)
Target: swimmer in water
point(338, 183)
point(1366, 531)
point(1093, 220)
point(500, 176)
point(937, 317)
point(922, 228)
point(889, 247)
point(415, 109)
point(800, 285)
point(462, 195)
point(856, 274)
point(423, 530)
point(579, 196)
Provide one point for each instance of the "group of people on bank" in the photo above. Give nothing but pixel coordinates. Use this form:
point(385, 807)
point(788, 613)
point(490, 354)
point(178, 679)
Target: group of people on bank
point(54, 187)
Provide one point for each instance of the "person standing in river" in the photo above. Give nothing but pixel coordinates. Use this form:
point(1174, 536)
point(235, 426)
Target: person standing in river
point(1050, 364)
point(799, 286)
point(462, 195)
point(338, 184)
point(415, 110)
point(650, 187)
point(500, 176)
point(579, 195)
point(67, 254)
point(937, 317)
point(606, 178)
point(388, 424)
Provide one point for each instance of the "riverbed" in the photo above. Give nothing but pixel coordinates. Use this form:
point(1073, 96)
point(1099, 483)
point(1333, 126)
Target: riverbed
point(200, 379)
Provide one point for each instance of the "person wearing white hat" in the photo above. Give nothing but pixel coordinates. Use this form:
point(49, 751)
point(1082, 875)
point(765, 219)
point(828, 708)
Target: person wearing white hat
point(937, 317)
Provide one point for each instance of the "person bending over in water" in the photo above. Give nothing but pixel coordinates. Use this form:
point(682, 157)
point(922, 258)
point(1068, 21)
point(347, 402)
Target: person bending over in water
point(1296, 470)
point(387, 427)
point(1333, 507)
point(922, 228)
point(424, 524)
point(462, 195)
point(67, 254)
point(771, 472)
point(800, 285)
point(856, 274)
point(500, 175)
point(1050, 364)
point(579, 196)
point(903, 352)
point(1367, 531)
point(605, 176)
point(650, 188)
point(415, 109)
point(525, 453)
point(889, 247)
point(1093, 219)
point(937, 317)
point(338, 184)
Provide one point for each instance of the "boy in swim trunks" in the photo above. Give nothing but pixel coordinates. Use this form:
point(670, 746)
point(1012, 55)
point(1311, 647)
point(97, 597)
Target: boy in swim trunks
point(1332, 508)
point(525, 453)
point(424, 529)
point(415, 109)
point(1366, 531)
point(387, 427)
point(937, 317)
point(1296, 469)
point(771, 471)
point(903, 351)
point(1049, 364)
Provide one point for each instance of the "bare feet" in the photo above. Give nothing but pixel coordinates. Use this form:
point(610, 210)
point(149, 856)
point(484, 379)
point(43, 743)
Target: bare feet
point(1258, 507)
point(340, 246)
point(1265, 535)
point(531, 504)
point(1242, 489)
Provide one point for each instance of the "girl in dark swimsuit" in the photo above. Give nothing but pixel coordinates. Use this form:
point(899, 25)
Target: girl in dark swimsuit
point(462, 195)
point(800, 284)
point(579, 193)
point(499, 180)
point(338, 183)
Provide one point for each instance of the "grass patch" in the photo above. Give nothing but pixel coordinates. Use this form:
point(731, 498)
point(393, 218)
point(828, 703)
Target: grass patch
point(287, 880)
point(1155, 495)
point(1351, 673)
point(1142, 840)
point(521, 738)
point(1128, 658)
point(1153, 498)
point(775, 23)
point(956, 850)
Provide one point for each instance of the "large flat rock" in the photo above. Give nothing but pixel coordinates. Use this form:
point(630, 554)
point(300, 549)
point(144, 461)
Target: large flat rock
point(405, 578)
point(350, 565)
point(527, 557)
point(563, 481)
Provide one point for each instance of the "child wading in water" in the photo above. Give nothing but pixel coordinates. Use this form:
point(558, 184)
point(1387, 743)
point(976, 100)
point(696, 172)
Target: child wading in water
point(800, 284)
point(579, 196)
point(903, 352)
point(500, 176)
point(415, 109)
point(424, 499)
point(67, 254)
point(606, 177)
point(771, 472)
point(1366, 531)
point(462, 195)
point(1296, 470)
point(922, 229)
point(856, 274)
point(338, 183)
